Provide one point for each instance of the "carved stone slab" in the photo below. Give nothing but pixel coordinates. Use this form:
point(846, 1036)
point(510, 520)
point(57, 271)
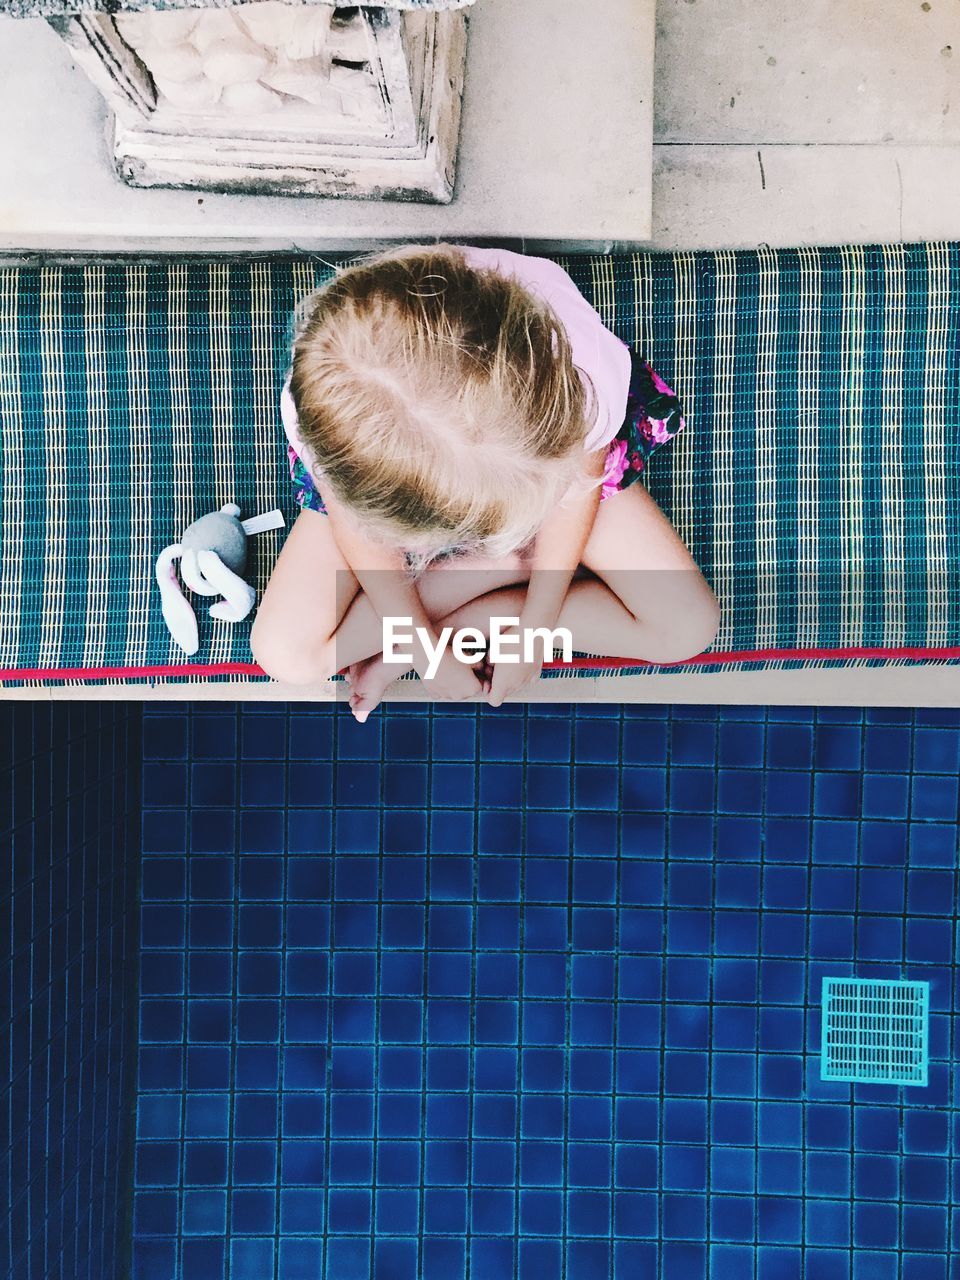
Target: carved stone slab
point(63, 8)
point(274, 98)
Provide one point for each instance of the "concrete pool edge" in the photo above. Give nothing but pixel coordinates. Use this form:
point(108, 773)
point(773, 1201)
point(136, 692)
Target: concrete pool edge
point(933, 686)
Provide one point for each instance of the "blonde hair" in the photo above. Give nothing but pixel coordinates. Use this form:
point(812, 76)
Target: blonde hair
point(440, 402)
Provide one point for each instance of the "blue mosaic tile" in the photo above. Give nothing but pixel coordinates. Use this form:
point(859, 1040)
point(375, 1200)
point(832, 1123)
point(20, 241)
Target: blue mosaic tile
point(69, 817)
point(537, 994)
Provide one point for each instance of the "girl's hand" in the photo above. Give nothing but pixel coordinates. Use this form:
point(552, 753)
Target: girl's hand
point(453, 681)
point(509, 678)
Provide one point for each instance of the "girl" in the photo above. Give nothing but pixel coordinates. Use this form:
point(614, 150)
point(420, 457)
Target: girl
point(464, 437)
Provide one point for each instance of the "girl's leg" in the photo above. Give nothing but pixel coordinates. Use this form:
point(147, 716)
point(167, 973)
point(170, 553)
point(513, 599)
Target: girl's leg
point(314, 621)
point(309, 592)
point(443, 589)
point(375, 676)
point(647, 599)
point(656, 604)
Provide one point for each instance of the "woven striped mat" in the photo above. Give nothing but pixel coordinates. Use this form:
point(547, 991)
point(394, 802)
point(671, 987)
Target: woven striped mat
point(818, 481)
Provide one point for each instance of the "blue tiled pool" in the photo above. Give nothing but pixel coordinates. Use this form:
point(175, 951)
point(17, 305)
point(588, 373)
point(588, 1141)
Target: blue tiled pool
point(69, 837)
point(537, 994)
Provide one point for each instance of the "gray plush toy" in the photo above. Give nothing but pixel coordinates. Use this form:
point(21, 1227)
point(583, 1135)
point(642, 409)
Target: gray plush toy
point(213, 559)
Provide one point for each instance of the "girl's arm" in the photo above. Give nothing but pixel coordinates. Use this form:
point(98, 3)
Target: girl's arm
point(380, 569)
point(382, 574)
point(557, 553)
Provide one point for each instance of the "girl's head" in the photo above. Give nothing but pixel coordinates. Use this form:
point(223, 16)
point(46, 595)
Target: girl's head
point(440, 402)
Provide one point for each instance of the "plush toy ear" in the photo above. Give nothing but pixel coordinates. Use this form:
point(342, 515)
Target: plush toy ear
point(238, 596)
point(177, 613)
point(194, 576)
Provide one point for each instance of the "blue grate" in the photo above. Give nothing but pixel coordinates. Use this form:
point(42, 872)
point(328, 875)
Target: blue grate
point(875, 1031)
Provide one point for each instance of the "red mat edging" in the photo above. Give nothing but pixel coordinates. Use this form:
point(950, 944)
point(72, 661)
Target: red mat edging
point(909, 653)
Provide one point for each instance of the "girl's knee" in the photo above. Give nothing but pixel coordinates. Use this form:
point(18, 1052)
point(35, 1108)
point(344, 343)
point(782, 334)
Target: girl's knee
point(689, 632)
point(287, 655)
point(678, 635)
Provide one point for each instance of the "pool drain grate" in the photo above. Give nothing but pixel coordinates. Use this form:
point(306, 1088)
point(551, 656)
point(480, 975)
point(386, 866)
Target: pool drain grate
point(874, 1031)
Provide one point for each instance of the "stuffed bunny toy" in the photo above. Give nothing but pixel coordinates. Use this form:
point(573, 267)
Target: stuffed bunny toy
point(213, 557)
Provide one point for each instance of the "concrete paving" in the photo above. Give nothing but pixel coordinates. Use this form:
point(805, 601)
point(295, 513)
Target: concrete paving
point(927, 686)
point(715, 196)
point(530, 149)
point(814, 123)
point(777, 123)
point(865, 71)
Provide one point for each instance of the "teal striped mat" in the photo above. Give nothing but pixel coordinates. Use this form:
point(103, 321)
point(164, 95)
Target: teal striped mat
point(817, 483)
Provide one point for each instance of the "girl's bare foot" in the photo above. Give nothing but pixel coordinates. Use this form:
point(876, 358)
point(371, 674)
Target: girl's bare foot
point(369, 681)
